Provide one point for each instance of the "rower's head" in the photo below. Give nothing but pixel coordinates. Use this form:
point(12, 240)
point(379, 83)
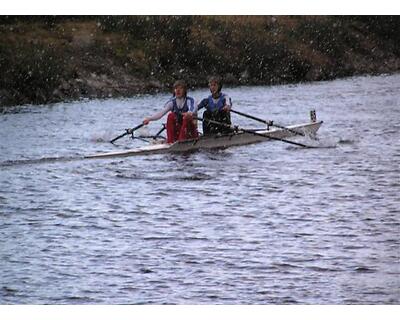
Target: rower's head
point(215, 85)
point(180, 88)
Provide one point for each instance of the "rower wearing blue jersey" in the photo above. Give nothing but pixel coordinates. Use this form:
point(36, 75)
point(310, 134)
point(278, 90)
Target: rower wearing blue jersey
point(218, 106)
point(181, 124)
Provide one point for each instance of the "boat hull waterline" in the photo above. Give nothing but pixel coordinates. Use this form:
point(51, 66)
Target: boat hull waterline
point(213, 142)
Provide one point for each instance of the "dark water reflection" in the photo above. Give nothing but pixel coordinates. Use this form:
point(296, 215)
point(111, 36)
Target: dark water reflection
point(259, 224)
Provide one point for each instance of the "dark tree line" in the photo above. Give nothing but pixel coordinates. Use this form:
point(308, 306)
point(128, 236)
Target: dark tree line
point(41, 54)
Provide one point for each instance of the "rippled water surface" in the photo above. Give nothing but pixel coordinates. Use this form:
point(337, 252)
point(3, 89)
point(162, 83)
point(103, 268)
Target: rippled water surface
point(268, 223)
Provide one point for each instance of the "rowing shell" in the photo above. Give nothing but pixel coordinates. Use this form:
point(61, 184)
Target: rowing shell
point(215, 141)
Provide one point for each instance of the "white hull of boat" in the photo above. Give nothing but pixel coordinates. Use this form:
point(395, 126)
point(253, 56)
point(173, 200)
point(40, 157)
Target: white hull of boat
point(217, 141)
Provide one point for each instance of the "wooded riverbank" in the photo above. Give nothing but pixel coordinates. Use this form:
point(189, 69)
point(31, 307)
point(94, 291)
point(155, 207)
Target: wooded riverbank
point(46, 59)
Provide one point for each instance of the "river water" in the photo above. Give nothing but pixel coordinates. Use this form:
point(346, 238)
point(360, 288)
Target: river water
point(269, 223)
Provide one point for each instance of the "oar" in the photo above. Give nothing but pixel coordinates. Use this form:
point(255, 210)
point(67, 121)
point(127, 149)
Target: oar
point(128, 131)
point(268, 123)
point(236, 128)
point(159, 132)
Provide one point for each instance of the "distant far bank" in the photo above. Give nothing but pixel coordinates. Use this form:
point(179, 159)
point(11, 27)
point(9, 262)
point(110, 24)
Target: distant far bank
point(45, 59)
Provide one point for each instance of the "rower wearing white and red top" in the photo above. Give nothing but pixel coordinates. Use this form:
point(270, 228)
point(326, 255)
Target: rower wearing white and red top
point(182, 109)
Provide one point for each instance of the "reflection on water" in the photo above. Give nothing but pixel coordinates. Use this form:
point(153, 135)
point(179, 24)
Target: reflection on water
point(259, 224)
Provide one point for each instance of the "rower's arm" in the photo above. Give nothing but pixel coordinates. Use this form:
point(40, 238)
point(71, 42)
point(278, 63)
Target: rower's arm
point(160, 114)
point(203, 104)
point(228, 102)
point(195, 107)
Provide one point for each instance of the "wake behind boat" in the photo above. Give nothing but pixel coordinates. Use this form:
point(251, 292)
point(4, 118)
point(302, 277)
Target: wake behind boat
point(236, 138)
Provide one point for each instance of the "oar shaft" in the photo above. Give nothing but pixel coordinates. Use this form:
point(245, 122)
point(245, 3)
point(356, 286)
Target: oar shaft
point(137, 127)
point(251, 117)
point(254, 133)
point(275, 138)
point(159, 132)
point(119, 137)
point(128, 131)
point(270, 123)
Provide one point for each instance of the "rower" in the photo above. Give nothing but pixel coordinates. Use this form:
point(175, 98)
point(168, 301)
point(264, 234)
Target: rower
point(217, 107)
point(181, 124)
